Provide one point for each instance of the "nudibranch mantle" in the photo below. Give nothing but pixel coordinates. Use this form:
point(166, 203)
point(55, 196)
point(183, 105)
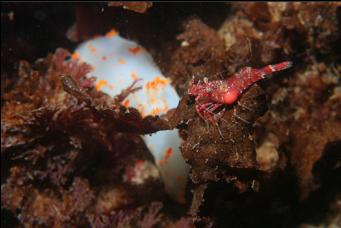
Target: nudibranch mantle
point(116, 63)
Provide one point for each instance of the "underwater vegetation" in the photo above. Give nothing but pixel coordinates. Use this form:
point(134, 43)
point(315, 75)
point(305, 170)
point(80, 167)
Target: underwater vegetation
point(151, 114)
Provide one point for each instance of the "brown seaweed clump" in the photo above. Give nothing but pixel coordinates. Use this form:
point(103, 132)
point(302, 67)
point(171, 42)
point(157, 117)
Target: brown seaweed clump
point(310, 119)
point(61, 165)
point(291, 139)
point(213, 150)
point(225, 153)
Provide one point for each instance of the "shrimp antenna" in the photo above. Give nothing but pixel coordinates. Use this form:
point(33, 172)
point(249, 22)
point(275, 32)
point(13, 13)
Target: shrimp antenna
point(215, 115)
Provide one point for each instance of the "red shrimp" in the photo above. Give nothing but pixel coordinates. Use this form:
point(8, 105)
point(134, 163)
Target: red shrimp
point(225, 92)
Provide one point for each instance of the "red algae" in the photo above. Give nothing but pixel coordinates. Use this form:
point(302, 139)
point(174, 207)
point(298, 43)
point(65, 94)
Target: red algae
point(139, 7)
point(135, 50)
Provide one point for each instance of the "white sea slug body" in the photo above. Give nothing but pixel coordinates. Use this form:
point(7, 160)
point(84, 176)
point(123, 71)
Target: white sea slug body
point(117, 62)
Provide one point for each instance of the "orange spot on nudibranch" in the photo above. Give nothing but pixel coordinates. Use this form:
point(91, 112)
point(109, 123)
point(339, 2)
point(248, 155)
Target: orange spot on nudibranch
point(126, 103)
point(165, 105)
point(100, 84)
point(168, 153)
point(111, 33)
point(162, 162)
point(135, 50)
point(155, 111)
point(165, 109)
point(152, 100)
point(133, 75)
point(140, 107)
point(92, 48)
point(121, 61)
point(75, 56)
point(157, 83)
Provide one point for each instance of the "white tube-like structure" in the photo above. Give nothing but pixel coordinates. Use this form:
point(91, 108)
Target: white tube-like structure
point(116, 63)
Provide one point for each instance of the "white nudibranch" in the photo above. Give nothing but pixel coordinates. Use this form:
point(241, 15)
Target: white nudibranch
point(116, 63)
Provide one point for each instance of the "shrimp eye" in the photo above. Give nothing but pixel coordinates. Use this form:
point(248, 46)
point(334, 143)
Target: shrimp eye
point(230, 97)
